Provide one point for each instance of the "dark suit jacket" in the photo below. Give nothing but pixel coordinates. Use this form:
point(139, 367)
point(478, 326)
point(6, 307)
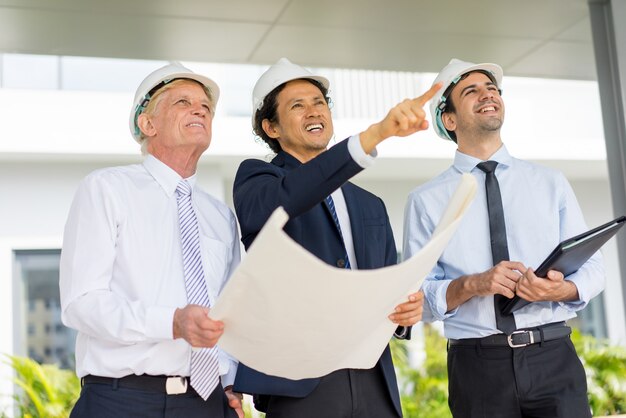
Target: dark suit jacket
point(261, 187)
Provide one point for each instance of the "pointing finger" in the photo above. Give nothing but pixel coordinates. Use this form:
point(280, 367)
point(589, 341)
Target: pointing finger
point(421, 101)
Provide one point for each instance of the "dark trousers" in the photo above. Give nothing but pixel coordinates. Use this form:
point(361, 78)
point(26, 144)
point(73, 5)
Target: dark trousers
point(105, 401)
point(539, 380)
point(341, 394)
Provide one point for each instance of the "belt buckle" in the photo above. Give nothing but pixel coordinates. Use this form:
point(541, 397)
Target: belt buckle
point(176, 385)
point(509, 339)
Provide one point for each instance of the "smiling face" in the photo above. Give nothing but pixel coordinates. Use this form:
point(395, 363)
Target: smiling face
point(303, 125)
point(181, 119)
point(478, 109)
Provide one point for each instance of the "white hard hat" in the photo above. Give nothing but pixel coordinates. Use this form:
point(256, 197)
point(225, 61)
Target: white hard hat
point(157, 79)
point(280, 73)
point(451, 74)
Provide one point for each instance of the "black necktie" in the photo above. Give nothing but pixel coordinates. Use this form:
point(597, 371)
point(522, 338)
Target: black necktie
point(499, 247)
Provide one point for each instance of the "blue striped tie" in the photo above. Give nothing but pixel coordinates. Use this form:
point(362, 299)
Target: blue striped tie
point(204, 362)
point(333, 212)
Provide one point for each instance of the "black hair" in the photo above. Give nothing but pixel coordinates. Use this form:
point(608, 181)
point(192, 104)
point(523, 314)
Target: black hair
point(268, 111)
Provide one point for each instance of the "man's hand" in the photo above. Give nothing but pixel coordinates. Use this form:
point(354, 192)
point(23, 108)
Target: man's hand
point(409, 313)
point(498, 280)
point(234, 400)
point(553, 288)
point(194, 325)
point(501, 279)
point(406, 118)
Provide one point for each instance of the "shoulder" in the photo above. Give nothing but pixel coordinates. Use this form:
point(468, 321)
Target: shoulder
point(537, 172)
point(430, 199)
point(113, 177)
point(442, 185)
point(254, 166)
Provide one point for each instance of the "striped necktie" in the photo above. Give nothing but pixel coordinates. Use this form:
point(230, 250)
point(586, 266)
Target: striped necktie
point(204, 361)
point(333, 213)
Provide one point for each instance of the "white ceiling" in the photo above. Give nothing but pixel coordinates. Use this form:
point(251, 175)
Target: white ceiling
point(537, 38)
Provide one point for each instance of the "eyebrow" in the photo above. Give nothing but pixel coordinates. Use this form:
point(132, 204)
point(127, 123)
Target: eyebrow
point(472, 86)
point(301, 99)
point(188, 97)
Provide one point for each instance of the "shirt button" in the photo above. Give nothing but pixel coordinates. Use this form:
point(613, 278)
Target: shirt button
point(341, 263)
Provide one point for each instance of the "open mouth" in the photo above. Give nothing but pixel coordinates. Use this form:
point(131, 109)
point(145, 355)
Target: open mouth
point(195, 125)
point(487, 109)
point(314, 127)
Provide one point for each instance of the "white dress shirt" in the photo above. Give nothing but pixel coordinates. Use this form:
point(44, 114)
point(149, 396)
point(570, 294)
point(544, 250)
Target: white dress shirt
point(121, 275)
point(540, 210)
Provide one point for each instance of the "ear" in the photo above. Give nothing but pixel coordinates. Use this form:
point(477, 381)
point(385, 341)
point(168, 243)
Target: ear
point(269, 129)
point(145, 125)
point(449, 121)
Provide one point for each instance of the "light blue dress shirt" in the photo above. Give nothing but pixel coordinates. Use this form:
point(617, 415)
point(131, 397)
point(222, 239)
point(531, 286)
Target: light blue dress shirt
point(540, 211)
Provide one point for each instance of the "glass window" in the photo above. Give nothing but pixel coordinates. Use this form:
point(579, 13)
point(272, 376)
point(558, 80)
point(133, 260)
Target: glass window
point(44, 337)
point(591, 320)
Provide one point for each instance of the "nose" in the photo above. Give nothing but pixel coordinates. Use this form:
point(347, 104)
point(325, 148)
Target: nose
point(486, 94)
point(199, 109)
point(312, 111)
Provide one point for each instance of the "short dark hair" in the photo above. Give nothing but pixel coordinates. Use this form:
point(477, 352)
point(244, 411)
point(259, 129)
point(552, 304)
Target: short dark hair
point(447, 94)
point(268, 111)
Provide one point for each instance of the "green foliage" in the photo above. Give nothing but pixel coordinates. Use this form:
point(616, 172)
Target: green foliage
point(425, 392)
point(46, 390)
point(605, 367)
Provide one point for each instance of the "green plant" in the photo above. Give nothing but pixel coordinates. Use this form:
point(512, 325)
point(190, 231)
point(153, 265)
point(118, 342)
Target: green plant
point(46, 390)
point(605, 367)
point(424, 392)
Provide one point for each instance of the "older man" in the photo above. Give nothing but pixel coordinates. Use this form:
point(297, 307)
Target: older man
point(339, 222)
point(501, 364)
point(145, 254)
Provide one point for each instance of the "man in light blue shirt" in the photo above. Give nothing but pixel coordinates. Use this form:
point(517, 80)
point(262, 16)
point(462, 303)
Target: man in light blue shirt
point(534, 370)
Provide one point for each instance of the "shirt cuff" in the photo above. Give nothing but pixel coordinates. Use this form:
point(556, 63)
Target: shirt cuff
point(576, 305)
point(228, 377)
point(435, 292)
point(160, 323)
point(358, 153)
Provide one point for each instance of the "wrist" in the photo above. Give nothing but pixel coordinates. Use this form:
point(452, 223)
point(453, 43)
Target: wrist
point(570, 292)
point(370, 138)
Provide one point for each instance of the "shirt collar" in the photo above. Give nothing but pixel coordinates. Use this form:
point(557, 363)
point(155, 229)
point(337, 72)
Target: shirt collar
point(466, 163)
point(167, 178)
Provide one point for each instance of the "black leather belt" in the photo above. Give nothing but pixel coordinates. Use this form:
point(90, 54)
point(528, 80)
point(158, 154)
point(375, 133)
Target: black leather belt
point(520, 338)
point(172, 385)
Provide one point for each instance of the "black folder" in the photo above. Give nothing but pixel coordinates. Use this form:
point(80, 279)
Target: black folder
point(570, 255)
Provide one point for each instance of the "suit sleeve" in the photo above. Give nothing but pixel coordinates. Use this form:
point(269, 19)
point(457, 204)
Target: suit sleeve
point(261, 187)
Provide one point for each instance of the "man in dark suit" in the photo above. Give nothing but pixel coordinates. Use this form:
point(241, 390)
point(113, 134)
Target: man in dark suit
point(339, 222)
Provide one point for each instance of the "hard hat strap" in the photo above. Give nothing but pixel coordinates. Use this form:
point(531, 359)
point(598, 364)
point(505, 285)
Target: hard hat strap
point(146, 99)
